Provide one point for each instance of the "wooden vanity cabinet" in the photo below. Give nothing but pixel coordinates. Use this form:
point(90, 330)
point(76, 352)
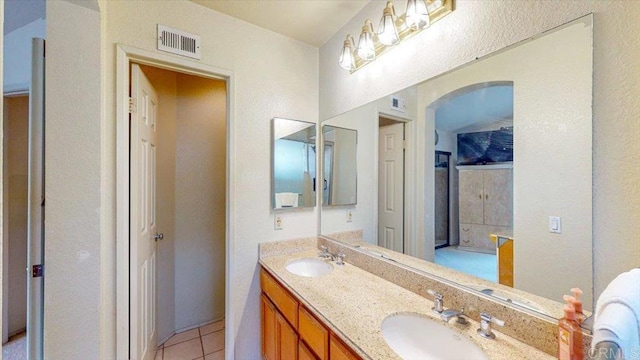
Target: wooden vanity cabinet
point(279, 339)
point(291, 332)
point(340, 351)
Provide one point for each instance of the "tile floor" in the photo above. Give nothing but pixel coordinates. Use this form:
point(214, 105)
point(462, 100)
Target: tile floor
point(473, 263)
point(203, 343)
point(16, 347)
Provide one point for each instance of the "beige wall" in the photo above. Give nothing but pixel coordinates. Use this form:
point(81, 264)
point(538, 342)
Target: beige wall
point(200, 200)
point(78, 289)
point(273, 76)
point(477, 28)
point(15, 155)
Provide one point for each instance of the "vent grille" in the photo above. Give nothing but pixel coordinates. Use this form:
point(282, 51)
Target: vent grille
point(178, 42)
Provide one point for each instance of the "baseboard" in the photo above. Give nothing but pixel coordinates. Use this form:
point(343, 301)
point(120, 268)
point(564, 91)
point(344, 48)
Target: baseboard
point(474, 249)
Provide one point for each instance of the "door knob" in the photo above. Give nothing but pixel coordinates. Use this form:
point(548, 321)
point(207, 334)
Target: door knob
point(158, 236)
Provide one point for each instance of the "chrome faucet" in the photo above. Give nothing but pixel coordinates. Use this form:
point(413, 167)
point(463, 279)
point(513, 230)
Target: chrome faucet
point(325, 254)
point(485, 325)
point(451, 313)
point(438, 300)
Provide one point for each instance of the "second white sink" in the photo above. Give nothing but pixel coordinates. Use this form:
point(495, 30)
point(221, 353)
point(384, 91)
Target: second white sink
point(413, 336)
point(309, 267)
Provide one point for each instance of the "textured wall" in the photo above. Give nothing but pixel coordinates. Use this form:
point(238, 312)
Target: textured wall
point(200, 201)
point(477, 28)
point(72, 304)
point(273, 76)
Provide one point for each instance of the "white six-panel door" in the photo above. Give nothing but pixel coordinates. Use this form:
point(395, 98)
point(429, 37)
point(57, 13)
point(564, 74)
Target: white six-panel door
point(142, 312)
point(391, 187)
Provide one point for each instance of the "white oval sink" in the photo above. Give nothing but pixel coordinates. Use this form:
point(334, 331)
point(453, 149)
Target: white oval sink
point(413, 336)
point(309, 267)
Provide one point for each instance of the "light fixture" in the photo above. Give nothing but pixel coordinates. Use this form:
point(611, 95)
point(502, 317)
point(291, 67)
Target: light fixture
point(387, 31)
point(366, 47)
point(417, 14)
point(347, 60)
point(393, 29)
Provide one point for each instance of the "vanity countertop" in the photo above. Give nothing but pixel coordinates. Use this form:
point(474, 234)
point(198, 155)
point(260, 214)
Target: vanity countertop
point(353, 303)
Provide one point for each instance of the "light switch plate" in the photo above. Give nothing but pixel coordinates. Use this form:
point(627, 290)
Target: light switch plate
point(349, 215)
point(555, 224)
point(277, 222)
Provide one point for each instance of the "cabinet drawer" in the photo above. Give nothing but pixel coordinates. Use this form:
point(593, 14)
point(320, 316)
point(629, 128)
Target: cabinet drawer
point(314, 334)
point(286, 303)
point(340, 351)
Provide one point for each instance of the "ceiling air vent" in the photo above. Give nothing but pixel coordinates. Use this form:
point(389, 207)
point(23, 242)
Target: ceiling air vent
point(178, 42)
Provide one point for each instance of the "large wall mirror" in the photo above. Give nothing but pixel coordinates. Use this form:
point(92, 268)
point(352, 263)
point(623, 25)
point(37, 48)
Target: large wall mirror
point(501, 146)
point(293, 164)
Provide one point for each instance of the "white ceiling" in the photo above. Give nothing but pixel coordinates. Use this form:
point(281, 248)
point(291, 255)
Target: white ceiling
point(480, 106)
point(310, 21)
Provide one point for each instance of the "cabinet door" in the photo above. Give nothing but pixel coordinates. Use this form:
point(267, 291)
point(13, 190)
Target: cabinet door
point(287, 339)
point(314, 334)
point(498, 197)
point(471, 197)
point(339, 351)
point(269, 334)
point(304, 353)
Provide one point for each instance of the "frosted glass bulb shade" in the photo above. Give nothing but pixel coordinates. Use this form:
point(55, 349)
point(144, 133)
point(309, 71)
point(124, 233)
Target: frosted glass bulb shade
point(347, 60)
point(387, 31)
point(417, 16)
point(366, 47)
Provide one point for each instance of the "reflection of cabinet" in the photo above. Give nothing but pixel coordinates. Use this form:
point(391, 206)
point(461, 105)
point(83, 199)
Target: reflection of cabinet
point(291, 332)
point(485, 206)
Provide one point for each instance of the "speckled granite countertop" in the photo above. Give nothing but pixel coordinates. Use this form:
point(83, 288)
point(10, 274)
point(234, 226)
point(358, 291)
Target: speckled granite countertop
point(353, 303)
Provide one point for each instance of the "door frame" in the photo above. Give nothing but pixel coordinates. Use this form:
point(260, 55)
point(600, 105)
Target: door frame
point(125, 56)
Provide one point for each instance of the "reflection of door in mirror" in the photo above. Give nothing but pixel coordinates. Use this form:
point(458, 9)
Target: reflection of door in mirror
point(442, 199)
point(340, 166)
point(327, 173)
point(391, 184)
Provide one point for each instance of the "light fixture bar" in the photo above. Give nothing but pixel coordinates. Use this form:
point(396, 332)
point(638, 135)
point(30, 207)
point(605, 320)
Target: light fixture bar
point(437, 10)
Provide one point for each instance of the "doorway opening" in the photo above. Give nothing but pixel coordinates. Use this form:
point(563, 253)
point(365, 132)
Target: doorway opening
point(441, 199)
point(174, 282)
point(391, 180)
point(15, 188)
point(474, 125)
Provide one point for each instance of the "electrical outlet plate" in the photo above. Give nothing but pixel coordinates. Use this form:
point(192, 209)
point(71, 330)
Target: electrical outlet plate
point(277, 222)
point(555, 224)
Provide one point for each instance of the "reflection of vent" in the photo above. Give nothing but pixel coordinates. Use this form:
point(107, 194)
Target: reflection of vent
point(178, 42)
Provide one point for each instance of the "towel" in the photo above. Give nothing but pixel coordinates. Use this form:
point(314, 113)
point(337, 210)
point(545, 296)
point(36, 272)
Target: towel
point(617, 316)
point(616, 323)
point(286, 200)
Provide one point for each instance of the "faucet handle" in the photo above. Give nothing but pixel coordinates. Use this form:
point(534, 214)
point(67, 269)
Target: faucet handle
point(438, 307)
point(485, 325)
point(325, 252)
point(341, 257)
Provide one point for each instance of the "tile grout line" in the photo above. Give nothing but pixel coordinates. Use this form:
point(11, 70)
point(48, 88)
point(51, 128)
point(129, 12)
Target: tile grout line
point(201, 342)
